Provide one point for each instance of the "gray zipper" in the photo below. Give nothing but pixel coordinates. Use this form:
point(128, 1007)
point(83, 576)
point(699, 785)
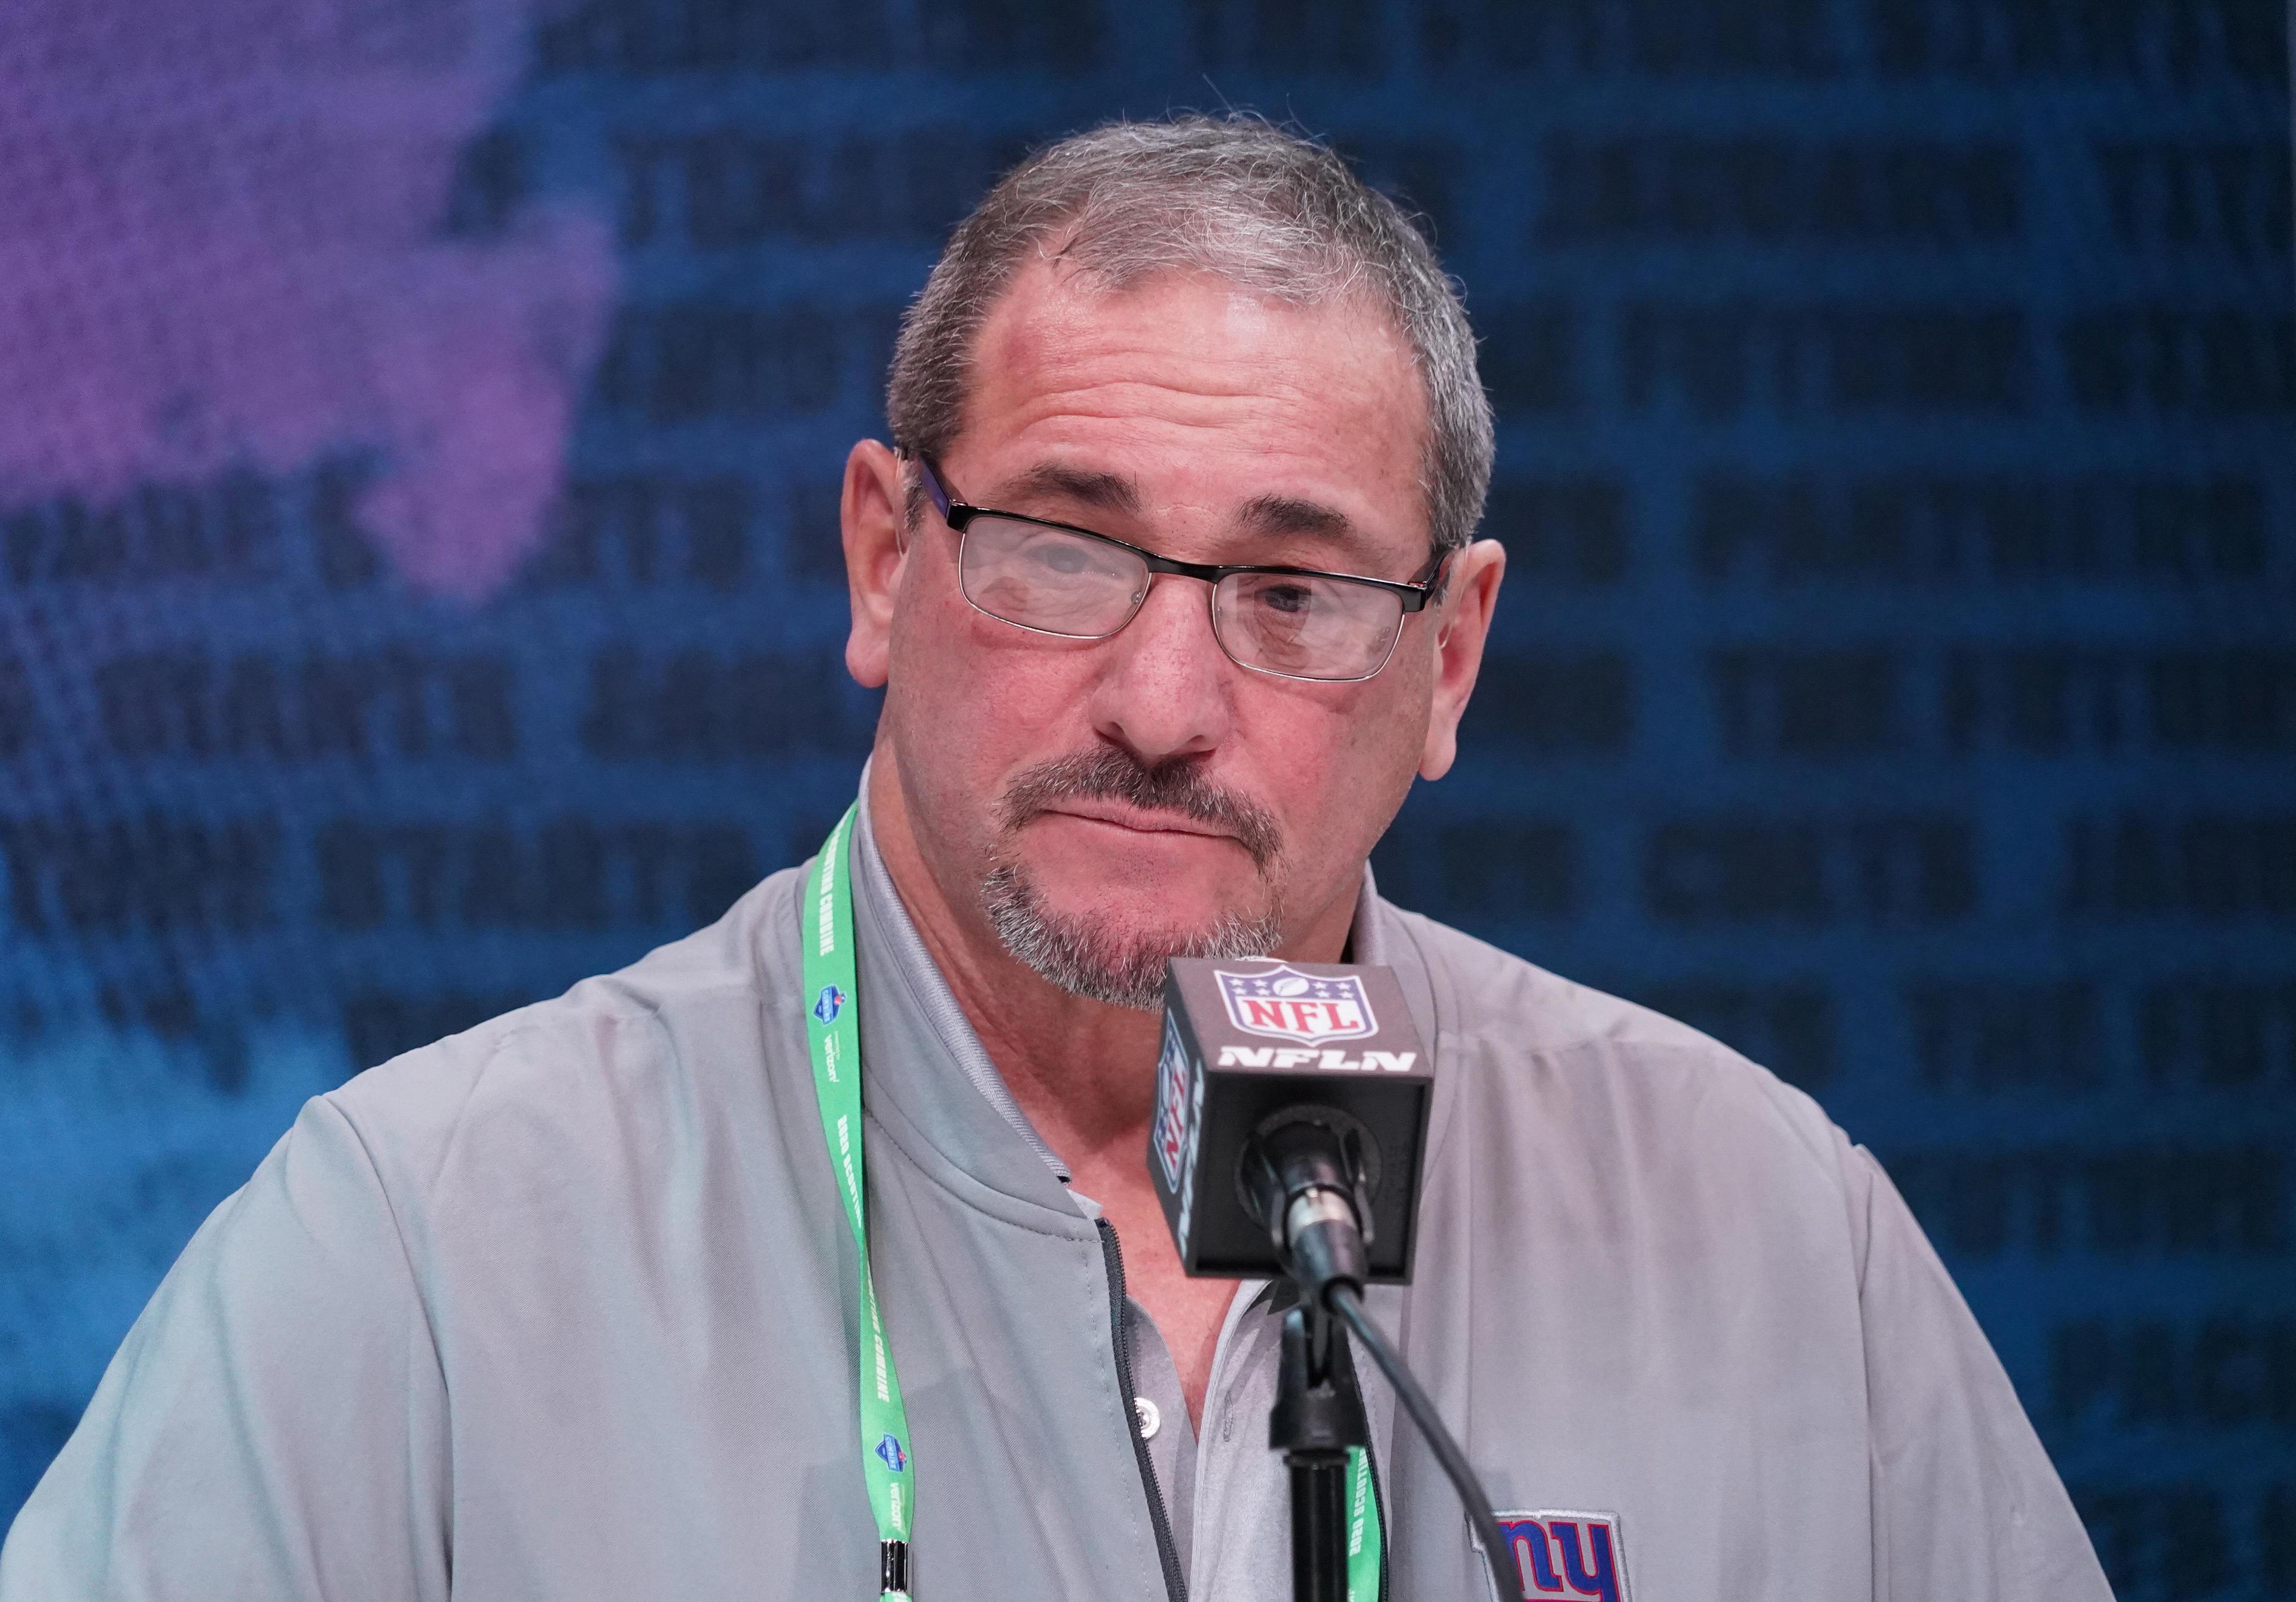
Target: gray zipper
point(1176, 1584)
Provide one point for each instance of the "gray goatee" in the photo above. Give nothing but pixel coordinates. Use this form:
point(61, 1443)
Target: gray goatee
point(1087, 957)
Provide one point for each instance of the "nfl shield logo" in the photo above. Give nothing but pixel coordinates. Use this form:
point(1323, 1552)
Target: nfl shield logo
point(827, 1005)
point(1567, 1556)
point(890, 1449)
point(1287, 1004)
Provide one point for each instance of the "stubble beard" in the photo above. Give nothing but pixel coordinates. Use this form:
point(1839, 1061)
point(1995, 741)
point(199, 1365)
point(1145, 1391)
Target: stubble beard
point(1088, 958)
point(1106, 961)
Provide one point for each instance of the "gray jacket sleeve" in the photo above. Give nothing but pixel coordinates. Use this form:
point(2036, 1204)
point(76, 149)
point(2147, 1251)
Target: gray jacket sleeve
point(1966, 1503)
point(273, 1426)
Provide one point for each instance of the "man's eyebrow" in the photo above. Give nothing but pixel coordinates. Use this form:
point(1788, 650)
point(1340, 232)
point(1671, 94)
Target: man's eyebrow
point(1355, 549)
point(1110, 492)
point(1268, 516)
point(1289, 514)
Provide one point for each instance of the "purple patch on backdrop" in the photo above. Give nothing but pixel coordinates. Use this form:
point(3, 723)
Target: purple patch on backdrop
point(219, 245)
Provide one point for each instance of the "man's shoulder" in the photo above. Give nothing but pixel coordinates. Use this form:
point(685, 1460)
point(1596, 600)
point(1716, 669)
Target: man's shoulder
point(1488, 991)
point(1607, 1060)
point(667, 1030)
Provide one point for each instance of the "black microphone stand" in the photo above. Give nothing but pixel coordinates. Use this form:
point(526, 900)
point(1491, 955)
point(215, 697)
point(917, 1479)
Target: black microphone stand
point(1317, 1415)
point(1307, 1174)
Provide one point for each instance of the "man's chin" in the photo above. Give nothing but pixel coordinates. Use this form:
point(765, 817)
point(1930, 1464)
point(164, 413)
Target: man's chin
point(1113, 950)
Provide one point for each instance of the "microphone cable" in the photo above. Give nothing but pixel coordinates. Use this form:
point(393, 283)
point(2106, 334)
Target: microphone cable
point(1342, 1298)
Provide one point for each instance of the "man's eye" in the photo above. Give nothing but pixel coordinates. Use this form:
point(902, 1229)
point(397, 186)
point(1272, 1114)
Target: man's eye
point(1060, 557)
point(1291, 600)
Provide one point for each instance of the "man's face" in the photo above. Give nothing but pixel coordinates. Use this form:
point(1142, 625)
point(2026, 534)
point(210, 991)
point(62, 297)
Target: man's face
point(1128, 798)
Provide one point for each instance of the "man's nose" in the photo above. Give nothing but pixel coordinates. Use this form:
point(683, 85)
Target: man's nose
point(1167, 688)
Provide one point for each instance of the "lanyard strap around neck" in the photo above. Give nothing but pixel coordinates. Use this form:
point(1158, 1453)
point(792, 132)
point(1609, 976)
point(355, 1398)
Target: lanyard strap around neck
point(834, 1034)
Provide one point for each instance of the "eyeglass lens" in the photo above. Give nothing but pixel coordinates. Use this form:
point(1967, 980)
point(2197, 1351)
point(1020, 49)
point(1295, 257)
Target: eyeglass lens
point(1058, 583)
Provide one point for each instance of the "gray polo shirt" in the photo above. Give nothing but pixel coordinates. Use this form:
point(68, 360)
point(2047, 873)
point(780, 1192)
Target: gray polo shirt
point(562, 1307)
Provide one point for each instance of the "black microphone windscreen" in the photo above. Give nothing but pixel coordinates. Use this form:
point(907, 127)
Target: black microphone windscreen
point(1248, 1039)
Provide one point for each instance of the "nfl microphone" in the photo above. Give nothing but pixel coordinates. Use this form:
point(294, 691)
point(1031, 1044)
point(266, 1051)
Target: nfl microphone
point(1292, 1112)
point(1292, 1103)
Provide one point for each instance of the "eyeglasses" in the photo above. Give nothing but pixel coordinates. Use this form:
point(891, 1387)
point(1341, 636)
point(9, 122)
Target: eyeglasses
point(1294, 623)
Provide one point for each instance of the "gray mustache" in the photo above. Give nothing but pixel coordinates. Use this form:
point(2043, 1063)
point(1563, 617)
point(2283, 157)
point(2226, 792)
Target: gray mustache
point(1179, 785)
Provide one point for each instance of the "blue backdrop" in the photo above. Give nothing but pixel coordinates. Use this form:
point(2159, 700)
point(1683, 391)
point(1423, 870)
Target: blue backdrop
point(420, 426)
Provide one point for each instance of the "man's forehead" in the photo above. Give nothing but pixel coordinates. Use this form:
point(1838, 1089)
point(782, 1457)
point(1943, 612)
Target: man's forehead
point(1068, 378)
point(1049, 310)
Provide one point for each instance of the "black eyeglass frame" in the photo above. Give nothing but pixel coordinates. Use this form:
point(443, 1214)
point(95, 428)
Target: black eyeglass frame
point(1415, 595)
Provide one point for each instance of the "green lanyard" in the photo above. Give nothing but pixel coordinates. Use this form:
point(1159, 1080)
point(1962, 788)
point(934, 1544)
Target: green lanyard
point(834, 1034)
point(1364, 1535)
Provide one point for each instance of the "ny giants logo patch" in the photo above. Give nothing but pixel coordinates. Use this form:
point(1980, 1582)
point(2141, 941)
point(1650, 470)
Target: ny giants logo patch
point(1171, 1106)
point(1576, 1556)
point(1286, 1004)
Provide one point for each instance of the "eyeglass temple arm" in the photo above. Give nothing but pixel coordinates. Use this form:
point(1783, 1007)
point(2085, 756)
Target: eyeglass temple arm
point(1430, 576)
point(930, 480)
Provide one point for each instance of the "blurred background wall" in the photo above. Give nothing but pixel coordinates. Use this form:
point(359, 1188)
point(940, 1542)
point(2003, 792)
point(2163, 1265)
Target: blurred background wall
point(420, 428)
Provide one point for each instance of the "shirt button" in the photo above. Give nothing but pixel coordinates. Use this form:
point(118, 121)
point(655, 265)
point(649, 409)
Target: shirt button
point(1150, 1418)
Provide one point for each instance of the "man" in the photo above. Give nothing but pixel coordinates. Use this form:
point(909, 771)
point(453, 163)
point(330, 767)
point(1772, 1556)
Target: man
point(572, 1305)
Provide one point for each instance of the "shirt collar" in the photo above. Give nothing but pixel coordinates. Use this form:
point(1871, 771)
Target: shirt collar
point(875, 889)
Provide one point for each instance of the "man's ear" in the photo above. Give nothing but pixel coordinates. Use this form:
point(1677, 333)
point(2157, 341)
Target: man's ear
point(1463, 621)
point(872, 513)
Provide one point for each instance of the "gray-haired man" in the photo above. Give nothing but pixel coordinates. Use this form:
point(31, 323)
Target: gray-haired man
point(1170, 579)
